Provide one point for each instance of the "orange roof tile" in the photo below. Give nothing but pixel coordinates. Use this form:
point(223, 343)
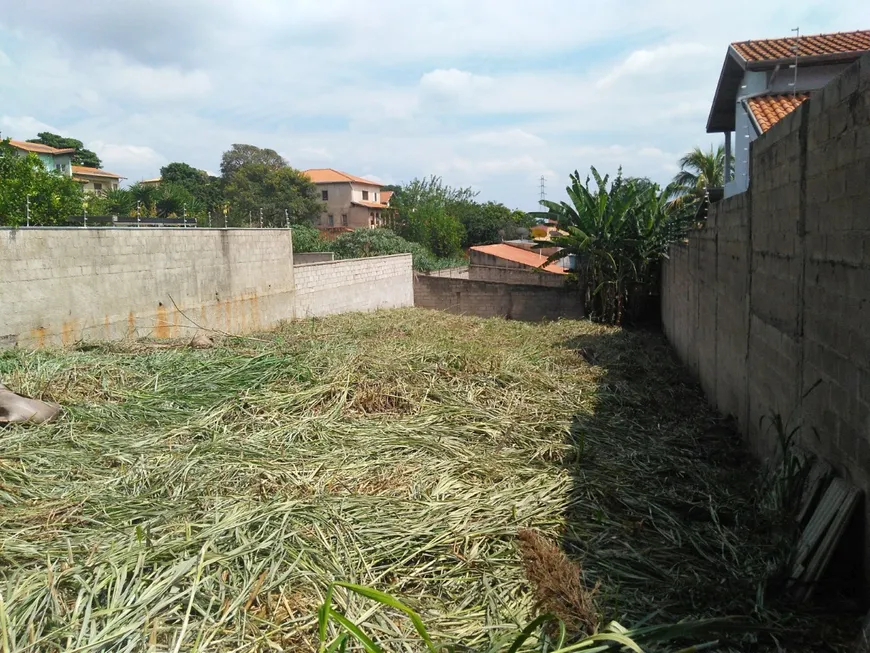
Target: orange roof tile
point(331, 176)
point(84, 171)
point(386, 195)
point(371, 205)
point(39, 148)
point(770, 109)
point(519, 255)
point(807, 46)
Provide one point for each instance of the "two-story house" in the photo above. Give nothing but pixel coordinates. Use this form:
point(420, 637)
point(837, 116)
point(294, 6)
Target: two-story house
point(93, 180)
point(52, 158)
point(763, 81)
point(350, 201)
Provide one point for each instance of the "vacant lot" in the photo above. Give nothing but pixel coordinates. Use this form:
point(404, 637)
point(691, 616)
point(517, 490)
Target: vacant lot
point(208, 497)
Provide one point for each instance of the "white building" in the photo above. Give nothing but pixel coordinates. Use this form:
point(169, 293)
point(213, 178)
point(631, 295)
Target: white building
point(763, 81)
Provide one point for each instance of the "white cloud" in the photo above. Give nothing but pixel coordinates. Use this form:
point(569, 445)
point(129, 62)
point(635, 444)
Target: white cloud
point(514, 138)
point(4, 59)
point(453, 82)
point(155, 84)
point(119, 158)
point(23, 127)
point(656, 60)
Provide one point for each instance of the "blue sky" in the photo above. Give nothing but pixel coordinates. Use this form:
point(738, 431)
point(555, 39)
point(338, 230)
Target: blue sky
point(491, 94)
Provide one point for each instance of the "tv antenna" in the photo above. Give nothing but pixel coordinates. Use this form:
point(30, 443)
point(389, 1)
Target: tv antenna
point(796, 49)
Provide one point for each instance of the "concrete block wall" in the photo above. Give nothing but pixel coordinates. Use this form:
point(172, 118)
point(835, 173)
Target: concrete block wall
point(520, 275)
point(488, 299)
point(304, 258)
point(773, 296)
point(363, 284)
point(62, 285)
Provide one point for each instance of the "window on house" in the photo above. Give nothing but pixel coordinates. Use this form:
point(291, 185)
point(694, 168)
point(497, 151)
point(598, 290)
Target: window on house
point(98, 186)
point(376, 197)
point(344, 219)
point(330, 220)
point(57, 166)
point(365, 194)
point(324, 195)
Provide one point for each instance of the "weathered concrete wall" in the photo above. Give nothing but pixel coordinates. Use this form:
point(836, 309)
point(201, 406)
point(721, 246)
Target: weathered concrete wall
point(487, 299)
point(453, 273)
point(304, 258)
point(773, 296)
point(363, 284)
point(520, 275)
point(59, 286)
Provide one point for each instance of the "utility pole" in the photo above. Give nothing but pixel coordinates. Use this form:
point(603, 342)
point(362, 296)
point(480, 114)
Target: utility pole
point(796, 49)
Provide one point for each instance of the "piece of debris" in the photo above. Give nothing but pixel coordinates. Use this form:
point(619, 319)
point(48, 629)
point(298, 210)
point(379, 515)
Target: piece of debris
point(822, 533)
point(17, 409)
point(201, 340)
point(588, 355)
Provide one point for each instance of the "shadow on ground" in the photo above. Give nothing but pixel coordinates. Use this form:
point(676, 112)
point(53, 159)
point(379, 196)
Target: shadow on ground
point(664, 510)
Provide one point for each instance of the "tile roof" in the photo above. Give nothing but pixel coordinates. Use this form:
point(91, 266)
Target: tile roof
point(370, 205)
point(331, 176)
point(84, 171)
point(807, 46)
point(770, 109)
point(386, 195)
point(519, 255)
point(39, 148)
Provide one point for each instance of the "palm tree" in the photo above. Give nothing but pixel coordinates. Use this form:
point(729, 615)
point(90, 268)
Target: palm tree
point(699, 171)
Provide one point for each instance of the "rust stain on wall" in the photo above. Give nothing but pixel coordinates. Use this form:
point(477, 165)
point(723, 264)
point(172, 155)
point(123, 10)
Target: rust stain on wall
point(68, 332)
point(131, 324)
point(106, 330)
point(38, 337)
point(161, 329)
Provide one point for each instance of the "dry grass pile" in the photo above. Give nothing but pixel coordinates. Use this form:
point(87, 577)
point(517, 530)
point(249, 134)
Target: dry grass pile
point(203, 499)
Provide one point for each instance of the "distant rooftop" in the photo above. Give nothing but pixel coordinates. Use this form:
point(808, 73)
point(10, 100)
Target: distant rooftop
point(94, 172)
point(805, 46)
point(39, 148)
point(332, 176)
point(518, 255)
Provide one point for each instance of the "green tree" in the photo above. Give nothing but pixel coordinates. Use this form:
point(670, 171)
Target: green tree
point(144, 198)
point(241, 154)
point(52, 197)
point(82, 157)
point(699, 171)
point(202, 186)
point(279, 192)
point(118, 202)
point(173, 200)
point(619, 233)
point(426, 212)
point(308, 239)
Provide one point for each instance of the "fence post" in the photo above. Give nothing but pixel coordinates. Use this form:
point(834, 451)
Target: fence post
point(209, 219)
point(85, 214)
point(27, 210)
point(250, 221)
point(261, 217)
point(287, 218)
point(138, 218)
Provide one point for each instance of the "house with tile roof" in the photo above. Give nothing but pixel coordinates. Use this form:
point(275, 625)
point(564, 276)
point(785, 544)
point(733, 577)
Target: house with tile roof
point(53, 158)
point(351, 201)
point(92, 180)
point(763, 81)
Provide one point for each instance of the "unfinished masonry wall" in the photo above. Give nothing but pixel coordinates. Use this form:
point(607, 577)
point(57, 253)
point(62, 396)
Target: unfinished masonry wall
point(773, 296)
point(61, 285)
point(488, 299)
point(363, 284)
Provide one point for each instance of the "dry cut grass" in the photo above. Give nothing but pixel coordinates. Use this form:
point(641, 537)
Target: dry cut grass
point(204, 499)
